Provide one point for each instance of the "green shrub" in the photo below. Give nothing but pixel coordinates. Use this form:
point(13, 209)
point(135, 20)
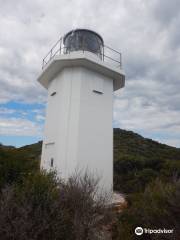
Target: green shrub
point(15, 165)
point(157, 207)
point(43, 207)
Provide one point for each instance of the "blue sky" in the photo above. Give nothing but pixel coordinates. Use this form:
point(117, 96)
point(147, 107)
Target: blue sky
point(147, 34)
point(23, 123)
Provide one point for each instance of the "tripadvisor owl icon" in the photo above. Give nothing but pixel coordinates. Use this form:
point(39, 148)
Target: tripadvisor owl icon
point(139, 231)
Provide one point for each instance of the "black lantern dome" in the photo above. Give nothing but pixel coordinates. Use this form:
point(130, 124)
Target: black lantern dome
point(83, 40)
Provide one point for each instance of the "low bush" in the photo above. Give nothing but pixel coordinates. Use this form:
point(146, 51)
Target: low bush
point(43, 207)
point(157, 207)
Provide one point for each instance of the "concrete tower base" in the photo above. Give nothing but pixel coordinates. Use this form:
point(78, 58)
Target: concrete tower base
point(78, 128)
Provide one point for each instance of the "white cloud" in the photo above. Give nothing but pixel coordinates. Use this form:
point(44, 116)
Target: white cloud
point(40, 117)
point(19, 127)
point(6, 111)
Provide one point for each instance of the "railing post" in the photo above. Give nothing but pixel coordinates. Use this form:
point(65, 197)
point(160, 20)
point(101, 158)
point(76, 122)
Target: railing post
point(83, 45)
point(60, 41)
point(120, 60)
point(103, 53)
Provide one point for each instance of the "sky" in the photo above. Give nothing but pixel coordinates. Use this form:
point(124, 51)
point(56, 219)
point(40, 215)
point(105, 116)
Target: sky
point(147, 34)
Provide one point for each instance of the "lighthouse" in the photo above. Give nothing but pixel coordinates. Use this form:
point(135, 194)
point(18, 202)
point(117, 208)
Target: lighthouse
point(80, 74)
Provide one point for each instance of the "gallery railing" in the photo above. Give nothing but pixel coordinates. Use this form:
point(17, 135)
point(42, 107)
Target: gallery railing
point(107, 54)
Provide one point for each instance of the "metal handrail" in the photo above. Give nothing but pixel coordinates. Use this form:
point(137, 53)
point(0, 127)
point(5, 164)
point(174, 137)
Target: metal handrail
point(61, 50)
point(53, 47)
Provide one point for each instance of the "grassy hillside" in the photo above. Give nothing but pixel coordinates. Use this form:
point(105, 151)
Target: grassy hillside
point(31, 152)
point(137, 161)
point(132, 144)
point(15, 163)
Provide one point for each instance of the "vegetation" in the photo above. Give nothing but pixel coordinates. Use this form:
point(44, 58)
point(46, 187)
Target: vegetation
point(16, 163)
point(158, 207)
point(36, 205)
point(139, 161)
point(42, 207)
point(147, 172)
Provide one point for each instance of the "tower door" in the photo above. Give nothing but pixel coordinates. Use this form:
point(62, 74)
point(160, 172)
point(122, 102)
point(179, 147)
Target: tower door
point(49, 155)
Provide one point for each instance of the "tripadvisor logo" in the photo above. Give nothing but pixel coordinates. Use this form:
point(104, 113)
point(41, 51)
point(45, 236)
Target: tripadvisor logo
point(139, 231)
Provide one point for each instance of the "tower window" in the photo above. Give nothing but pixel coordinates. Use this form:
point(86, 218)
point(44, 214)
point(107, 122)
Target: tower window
point(54, 93)
point(52, 162)
point(98, 92)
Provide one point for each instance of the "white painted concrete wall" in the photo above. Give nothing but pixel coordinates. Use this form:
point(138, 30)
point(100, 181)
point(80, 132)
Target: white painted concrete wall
point(78, 129)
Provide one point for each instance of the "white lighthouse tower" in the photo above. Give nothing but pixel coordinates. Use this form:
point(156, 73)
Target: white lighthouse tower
point(80, 78)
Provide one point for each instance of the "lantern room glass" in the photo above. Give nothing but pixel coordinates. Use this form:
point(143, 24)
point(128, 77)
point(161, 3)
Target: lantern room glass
point(83, 40)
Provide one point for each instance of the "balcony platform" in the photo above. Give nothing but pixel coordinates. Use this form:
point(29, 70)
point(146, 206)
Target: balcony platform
point(84, 59)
